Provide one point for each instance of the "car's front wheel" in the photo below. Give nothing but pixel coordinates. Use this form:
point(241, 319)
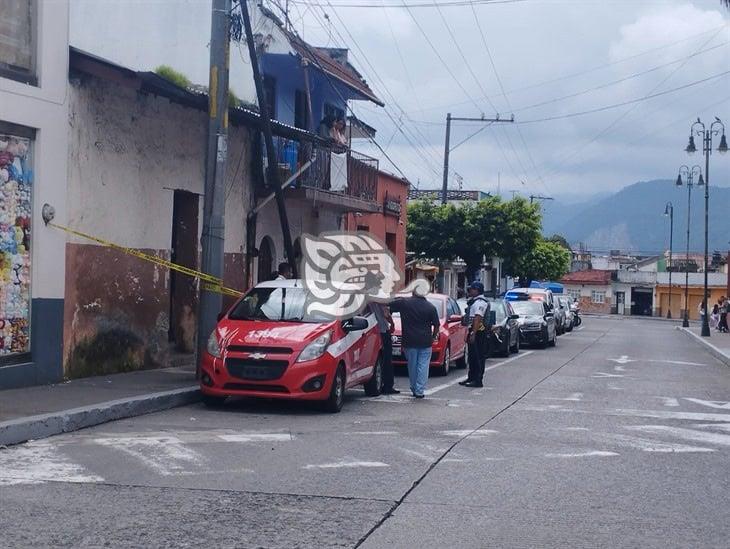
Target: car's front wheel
point(372, 387)
point(516, 347)
point(336, 399)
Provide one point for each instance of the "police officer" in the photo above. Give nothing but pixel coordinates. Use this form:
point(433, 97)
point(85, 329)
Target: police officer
point(477, 314)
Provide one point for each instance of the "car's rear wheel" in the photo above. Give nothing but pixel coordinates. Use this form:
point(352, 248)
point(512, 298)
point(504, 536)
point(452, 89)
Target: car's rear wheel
point(446, 365)
point(212, 401)
point(336, 399)
point(372, 387)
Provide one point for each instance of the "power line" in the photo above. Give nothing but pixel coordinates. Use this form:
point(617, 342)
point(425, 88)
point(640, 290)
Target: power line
point(624, 103)
point(452, 3)
point(398, 124)
point(587, 71)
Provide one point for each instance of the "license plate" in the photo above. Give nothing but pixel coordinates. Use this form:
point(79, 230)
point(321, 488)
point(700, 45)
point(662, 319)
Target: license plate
point(397, 351)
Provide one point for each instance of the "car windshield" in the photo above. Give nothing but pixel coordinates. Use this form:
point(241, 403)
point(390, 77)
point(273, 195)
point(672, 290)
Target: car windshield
point(274, 304)
point(436, 302)
point(525, 308)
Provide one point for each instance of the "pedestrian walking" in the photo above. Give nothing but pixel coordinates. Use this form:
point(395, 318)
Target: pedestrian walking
point(478, 338)
point(724, 310)
point(420, 326)
point(715, 317)
point(386, 328)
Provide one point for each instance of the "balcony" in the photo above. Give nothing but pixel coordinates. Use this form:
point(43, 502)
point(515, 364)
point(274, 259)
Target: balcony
point(337, 176)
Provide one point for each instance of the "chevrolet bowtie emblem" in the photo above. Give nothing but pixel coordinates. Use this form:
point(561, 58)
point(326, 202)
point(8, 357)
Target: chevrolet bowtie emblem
point(257, 356)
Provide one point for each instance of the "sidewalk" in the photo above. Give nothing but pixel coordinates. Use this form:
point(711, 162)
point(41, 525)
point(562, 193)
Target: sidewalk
point(717, 344)
point(46, 410)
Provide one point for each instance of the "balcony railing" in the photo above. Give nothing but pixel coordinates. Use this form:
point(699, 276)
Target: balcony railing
point(335, 169)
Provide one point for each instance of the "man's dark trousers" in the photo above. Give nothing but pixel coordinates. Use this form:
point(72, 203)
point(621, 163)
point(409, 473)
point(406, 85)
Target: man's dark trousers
point(387, 366)
point(477, 356)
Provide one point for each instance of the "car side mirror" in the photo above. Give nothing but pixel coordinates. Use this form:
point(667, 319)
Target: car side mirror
point(355, 324)
point(454, 318)
point(549, 314)
point(514, 317)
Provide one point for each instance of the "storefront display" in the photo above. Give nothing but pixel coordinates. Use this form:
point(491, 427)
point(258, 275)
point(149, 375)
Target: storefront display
point(16, 180)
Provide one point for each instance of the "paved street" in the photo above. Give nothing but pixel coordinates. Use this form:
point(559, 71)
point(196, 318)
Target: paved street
point(619, 437)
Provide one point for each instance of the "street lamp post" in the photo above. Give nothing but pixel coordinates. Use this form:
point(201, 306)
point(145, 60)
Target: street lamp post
point(699, 129)
point(689, 175)
point(669, 210)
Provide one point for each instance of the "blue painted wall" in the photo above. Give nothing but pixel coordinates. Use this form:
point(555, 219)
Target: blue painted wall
point(289, 77)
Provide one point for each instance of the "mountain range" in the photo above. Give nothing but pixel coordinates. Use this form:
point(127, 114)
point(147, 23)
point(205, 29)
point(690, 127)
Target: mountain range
point(632, 219)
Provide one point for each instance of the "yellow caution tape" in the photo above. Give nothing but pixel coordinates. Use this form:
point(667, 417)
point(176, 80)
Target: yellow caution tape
point(210, 283)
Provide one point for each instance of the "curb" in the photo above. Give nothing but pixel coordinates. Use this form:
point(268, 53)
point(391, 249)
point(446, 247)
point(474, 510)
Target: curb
point(45, 425)
point(715, 351)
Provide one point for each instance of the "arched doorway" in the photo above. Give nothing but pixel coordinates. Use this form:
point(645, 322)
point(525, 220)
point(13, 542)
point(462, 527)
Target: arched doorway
point(266, 259)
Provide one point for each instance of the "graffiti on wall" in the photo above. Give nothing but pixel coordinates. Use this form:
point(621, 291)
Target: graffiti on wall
point(16, 179)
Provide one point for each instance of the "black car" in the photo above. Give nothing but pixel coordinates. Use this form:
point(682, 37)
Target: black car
point(506, 338)
point(537, 323)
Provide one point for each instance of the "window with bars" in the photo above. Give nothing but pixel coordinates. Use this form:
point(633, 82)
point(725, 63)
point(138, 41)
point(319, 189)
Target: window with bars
point(598, 296)
point(575, 294)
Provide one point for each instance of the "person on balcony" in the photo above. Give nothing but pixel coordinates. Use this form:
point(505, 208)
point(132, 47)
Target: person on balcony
point(337, 133)
point(326, 126)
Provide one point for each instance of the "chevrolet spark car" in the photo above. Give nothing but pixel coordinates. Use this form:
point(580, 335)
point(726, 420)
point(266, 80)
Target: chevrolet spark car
point(450, 347)
point(268, 346)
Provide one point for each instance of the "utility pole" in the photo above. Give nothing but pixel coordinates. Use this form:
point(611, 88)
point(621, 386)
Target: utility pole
point(272, 170)
point(447, 149)
point(214, 201)
point(534, 197)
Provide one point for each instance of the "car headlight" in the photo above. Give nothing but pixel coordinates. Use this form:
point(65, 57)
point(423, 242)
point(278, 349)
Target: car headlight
point(213, 347)
point(316, 348)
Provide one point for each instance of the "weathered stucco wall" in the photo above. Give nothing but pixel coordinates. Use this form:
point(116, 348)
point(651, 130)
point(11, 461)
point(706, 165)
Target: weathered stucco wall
point(128, 154)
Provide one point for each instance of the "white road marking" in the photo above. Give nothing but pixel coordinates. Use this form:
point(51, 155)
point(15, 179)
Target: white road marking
point(622, 360)
point(488, 368)
point(687, 434)
point(166, 455)
point(422, 456)
point(574, 397)
point(650, 445)
point(373, 433)
point(603, 375)
point(662, 414)
point(669, 401)
point(469, 432)
point(346, 465)
point(592, 453)
point(575, 429)
point(579, 329)
point(38, 462)
point(625, 360)
point(722, 405)
point(257, 437)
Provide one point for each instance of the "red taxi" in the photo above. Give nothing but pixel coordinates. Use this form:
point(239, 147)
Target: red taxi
point(451, 344)
point(267, 346)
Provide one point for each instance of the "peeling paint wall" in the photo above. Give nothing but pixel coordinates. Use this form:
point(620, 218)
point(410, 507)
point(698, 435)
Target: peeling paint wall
point(128, 152)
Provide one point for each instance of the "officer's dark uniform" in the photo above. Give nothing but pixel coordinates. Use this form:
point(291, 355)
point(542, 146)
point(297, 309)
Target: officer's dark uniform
point(479, 349)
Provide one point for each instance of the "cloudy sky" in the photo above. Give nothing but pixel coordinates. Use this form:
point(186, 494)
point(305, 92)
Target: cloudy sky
point(648, 68)
point(543, 50)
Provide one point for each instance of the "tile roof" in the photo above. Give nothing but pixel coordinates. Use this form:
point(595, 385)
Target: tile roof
point(591, 276)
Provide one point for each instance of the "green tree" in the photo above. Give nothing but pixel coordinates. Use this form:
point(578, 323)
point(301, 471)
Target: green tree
point(521, 227)
point(433, 230)
point(546, 261)
point(480, 234)
point(560, 239)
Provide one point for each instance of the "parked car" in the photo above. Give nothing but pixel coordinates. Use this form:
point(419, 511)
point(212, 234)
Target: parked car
point(268, 346)
point(566, 303)
point(451, 344)
point(537, 322)
point(561, 316)
point(541, 294)
point(506, 339)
